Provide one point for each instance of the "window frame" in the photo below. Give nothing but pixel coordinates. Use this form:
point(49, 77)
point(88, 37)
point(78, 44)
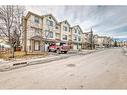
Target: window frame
point(36, 19)
point(49, 22)
point(65, 28)
point(64, 37)
point(50, 35)
point(37, 32)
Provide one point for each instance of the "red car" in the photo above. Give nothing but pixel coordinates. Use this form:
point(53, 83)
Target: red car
point(58, 48)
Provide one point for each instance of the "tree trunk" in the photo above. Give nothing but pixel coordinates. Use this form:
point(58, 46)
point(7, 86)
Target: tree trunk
point(13, 52)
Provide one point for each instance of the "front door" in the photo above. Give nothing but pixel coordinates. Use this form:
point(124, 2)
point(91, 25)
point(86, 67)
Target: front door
point(37, 47)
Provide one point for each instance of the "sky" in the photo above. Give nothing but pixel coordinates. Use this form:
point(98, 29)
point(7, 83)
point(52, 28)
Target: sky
point(104, 20)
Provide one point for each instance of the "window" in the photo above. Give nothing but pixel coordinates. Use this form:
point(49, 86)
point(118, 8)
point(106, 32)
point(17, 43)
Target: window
point(79, 38)
point(75, 38)
point(36, 19)
point(48, 22)
point(37, 32)
point(57, 35)
point(79, 32)
point(56, 27)
point(49, 17)
point(48, 34)
point(64, 28)
point(75, 30)
point(69, 30)
point(64, 37)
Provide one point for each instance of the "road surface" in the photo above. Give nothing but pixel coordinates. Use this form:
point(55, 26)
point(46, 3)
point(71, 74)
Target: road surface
point(101, 70)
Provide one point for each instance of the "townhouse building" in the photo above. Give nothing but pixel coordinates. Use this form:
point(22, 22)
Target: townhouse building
point(4, 45)
point(121, 43)
point(51, 30)
point(95, 41)
point(104, 41)
point(125, 43)
point(41, 31)
point(33, 33)
point(85, 41)
point(90, 40)
point(66, 34)
point(77, 37)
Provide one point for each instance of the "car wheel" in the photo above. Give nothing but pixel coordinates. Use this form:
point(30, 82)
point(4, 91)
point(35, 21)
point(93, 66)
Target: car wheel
point(65, 52)
point(58, 51)
point(49, 50)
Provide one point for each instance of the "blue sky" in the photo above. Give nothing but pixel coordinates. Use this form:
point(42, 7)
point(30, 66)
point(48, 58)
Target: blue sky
point(105, 20)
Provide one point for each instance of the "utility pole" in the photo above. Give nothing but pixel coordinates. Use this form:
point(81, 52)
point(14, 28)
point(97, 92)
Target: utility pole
point(91, 39)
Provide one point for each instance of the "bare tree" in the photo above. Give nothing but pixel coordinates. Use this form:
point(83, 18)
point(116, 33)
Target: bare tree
point(47, 34)
point(19, 13)
point(11, 24)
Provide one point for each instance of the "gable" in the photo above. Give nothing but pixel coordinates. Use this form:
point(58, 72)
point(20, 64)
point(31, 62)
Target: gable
point(51, 17)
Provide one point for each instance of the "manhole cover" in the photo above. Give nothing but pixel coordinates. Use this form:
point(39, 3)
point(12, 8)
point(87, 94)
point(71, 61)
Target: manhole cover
point(81, 86)
point(71, 74)
point(71, 65)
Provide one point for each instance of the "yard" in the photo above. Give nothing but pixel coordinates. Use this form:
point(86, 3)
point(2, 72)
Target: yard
point(23, 55)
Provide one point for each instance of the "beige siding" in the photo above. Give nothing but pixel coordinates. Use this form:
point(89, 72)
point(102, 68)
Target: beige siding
point(46, 27)
point(65, 32)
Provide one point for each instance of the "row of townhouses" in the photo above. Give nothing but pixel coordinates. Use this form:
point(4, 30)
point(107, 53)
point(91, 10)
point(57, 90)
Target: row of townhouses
point(41, 31)
point(121, 43)
point(96, 41)
point(46, 29)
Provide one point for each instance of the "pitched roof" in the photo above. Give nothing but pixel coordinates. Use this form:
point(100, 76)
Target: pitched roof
point(65, 21)
point(78, 27)
point(51, 16)
point(31, 13)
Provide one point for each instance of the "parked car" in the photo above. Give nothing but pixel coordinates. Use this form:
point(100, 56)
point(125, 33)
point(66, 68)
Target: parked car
point(58, 48)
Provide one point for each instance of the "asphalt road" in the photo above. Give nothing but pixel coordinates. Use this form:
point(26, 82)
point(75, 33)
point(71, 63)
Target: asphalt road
point(101, 70)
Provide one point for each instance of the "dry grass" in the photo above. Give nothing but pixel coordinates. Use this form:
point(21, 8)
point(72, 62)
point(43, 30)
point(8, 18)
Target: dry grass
point(20, 54)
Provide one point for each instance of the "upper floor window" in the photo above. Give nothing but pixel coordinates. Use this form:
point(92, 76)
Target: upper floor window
point(49, 34)
point(79, 32)
point(36, 19)
point(37, 32)
point(49, 17)
point(64, 28)
point(56, 27)
point(57, 35)
point(79, 38)
point(49, 22)
point(64, 37)
point(75, 38)
point(69, 30)
point(75, 30)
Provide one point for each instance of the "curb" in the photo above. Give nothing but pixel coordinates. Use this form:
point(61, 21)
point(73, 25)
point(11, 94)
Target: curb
point(19, 64)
